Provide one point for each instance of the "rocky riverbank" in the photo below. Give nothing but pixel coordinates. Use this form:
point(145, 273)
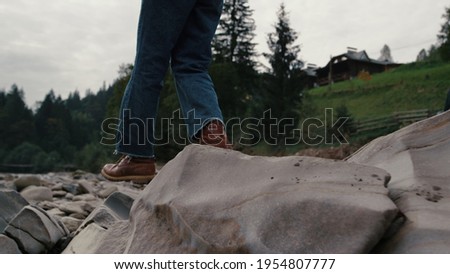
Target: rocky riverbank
point(68, 198)
point(391, 196)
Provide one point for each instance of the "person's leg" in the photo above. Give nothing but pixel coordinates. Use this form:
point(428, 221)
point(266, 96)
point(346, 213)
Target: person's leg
point(191, 58)
point(160, 25)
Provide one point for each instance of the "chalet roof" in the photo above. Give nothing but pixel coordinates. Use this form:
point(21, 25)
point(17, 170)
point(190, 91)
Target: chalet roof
point(361, 56)
point(312, 72)
point(351, 54)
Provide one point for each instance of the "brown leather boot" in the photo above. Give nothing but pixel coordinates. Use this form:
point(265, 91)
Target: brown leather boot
point(138, 170)
point(213, 134)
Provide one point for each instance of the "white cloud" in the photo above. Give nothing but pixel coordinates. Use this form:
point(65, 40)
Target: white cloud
point(327, 27)
point(64, 45)
point(78, 44)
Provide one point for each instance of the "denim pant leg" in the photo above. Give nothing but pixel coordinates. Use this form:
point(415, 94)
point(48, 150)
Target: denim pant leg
point(191, 58)
point(160, 24)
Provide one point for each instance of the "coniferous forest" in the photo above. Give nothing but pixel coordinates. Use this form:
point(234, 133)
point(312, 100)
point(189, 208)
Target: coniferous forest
point(74, 133)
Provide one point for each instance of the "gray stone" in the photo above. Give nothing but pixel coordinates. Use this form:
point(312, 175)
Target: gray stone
point(210, 200)
point(74, 207)
point(91, 205)
point(69, 196)
point(131, 191)
point(86, 186)
point(47, 205)
point(120, 204)
point(35, 194)
point(7, 185)
point(104, 193)
point(71, 188)
point(71, 223)
point(57, 187)
point(8, 246)
point(80, 216)
point(35, 231)
point(418, 159)
point(56, 212)
point(60, 193)
point(6, 177)
point(102, 216)
point(11, 203)
point(84, 197)
point(25, 241)
point(31, 180)
point(83, 175)
point(116, 208)
point(87, 241)
point(78, 174)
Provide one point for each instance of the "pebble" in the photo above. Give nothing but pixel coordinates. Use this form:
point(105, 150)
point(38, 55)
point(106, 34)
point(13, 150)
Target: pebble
point(71, 223)
point(34, 194)
point(69, 197)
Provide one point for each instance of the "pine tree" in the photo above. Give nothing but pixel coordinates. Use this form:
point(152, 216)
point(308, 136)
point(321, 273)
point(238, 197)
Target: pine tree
point(118, 88)
point(444, 36)
point(284, 80)
point(385, 54)
point(16, 119)
point(421, 56)
point(73, 102)
point(234, 67)
point(284, 53)
point(233, 40)
point(53, 126)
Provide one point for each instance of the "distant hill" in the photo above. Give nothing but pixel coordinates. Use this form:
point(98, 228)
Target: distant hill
point(409, 87)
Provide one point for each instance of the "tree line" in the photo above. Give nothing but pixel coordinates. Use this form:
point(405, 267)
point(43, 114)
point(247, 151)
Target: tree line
point(66, 134)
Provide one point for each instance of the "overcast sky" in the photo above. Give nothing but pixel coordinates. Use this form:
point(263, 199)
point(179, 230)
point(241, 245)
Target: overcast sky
point(69, 45)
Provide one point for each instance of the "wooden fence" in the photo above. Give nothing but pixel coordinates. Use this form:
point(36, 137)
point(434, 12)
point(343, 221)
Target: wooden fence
point(396, 120)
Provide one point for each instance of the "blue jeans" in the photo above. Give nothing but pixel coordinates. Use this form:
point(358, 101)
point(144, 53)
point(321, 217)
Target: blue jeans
point(176, 33)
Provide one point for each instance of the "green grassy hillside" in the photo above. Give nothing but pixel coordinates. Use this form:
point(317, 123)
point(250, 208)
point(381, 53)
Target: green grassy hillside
point(409, 87)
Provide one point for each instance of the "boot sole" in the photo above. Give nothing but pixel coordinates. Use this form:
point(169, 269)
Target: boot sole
point(132, 178)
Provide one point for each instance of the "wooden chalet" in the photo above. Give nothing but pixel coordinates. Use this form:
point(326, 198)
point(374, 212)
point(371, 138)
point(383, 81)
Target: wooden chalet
point(347, 66)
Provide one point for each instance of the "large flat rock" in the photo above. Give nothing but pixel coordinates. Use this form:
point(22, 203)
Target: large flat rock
point(11, 203)
point(8, 245)
point(418, 159)
point(35, 231)
point(210, 200)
